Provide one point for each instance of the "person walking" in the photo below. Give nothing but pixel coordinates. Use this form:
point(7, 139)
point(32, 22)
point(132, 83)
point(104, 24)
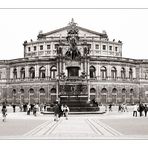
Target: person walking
point(135, 109)
point(110, 107)
point(56, 110)
point(66, 111)
point(4, 113)
point(145, 110)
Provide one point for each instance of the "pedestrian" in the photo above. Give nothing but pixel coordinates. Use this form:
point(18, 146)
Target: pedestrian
point(4, 112)
point(145, 110)
point(110, 107)
point(45, 107)
point(21, 107)
point(119, 108)
point(61, 110)
point(125, 108)
point(13, 106)
point(135, 109)
point(35, 110)
point(56, 110)
point(141, 109)
point(28, 109)
point(66, 111)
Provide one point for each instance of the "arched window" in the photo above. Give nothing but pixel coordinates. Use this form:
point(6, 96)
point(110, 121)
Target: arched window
point(22, 73)
point(130, 73)
point(53, 70)
point(22, 96)
point(113, 73)
point(53, 95)
point(103, 72)
point(92, 90)
point(42, 71)
point(32, 72)
point(92, 72)
point(15, 73)
point(42, 91)
point(22, 91)
point(123, 96)
point(31, 91)
point(114, 95)
point(103, 95)
point(92, 94)
point(14, 92)
point(42, 99)
point(123, 73)
point(53, 91)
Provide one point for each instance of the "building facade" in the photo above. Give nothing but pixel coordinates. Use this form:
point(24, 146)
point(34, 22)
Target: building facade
point(74, 63)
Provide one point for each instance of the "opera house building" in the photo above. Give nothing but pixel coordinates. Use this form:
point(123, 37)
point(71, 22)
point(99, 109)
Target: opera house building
point(76, 66)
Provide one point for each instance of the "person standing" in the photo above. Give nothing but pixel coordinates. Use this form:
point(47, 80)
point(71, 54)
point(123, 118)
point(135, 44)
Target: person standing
point(13, 105)
point(4, 112)
point(141, 109)
point(135, 109)
point(66, 111)
point(61, 110)
point(28, 109)
point(35, 110)
point(145, 110)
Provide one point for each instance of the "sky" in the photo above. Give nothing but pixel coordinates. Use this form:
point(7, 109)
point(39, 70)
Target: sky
point(128, 25)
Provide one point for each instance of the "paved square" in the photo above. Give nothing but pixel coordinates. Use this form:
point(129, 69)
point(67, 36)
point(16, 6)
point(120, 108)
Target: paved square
point(111, 125)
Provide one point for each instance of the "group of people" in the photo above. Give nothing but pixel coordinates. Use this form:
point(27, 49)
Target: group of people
point(141, 108)
point(60, 110)
point(32, 107)
point(122, 108)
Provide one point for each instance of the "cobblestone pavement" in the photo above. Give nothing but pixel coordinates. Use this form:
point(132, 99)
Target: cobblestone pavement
point(112, 125)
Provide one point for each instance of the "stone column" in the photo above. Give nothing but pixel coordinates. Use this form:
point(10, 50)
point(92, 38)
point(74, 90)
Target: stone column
point(88, 92)
point(88, 65)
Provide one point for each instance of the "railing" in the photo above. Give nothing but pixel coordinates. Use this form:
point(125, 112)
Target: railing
point(76, 79)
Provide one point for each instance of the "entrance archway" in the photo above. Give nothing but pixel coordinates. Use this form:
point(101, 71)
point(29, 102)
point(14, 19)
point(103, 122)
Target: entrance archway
point(42, 96)
point(92, 94)
point(53, 95)
point(22, 96)
point(31, 96)
point(114, 95)
point(104, 95)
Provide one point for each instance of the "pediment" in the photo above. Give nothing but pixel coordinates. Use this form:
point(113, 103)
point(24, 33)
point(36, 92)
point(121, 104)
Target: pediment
point(82, 32)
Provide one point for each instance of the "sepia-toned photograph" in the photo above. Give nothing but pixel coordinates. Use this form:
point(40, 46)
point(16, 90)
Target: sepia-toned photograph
point(73, 74)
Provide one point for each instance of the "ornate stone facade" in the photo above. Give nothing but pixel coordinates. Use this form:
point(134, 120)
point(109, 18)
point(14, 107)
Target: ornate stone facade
point(73, 62)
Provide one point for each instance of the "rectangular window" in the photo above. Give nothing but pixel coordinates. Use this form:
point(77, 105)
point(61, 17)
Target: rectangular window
point(104, 47)
point(48, 46)
point(110, 47)
point(41, 47)
point(28, 48)
point(89, 46)
point(116, 48)
point(97, 46)
point(56, 46)
point(34, 48)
